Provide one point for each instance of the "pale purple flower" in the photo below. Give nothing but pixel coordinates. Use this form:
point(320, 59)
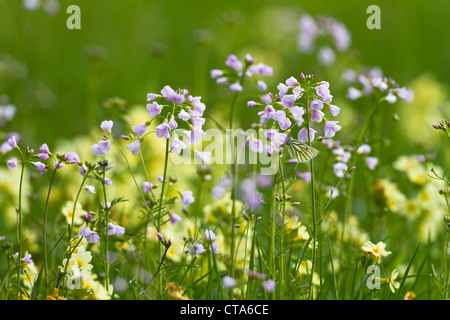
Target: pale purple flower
point(339, 169)
point(83, 170)
point(288, 100)
point(148, 186)
point(285, 124)
point(160, 236)
point(317, 115)
point(364, 149)
point(217, 192)
point(353, 93)
point(89, 188)
point(228, 282)
point(174, 218)
point(216, 73)
point(91, 236)
point(152, 96)
point(261, 85)
point(12, 163)
point(342, 38)
point(163, 130)
point(198, 122)
point(114, 229)
point(269, 285)
point(154, 109)
point(233, 62)
point(195, 135)
point(266, 98)
point(58, 165)
point(303, 135)
point(101, 148)
point(12, 142)
point(391, 98)
point(276, 137)
point(255, 145)
point(139, 129)
point(236, 87)
point(5, 147)
point(214, 247)
point(297, 113)
point(134, 147)
point(183, 115)
point(176, 146)
point(261, 69)
point(44, 148)
point(41, 167)
point(326, 56)
point(204, 156)
point(330, 128)
point(251, 104)
point(27, 258)
point(107, 125)
point(282, 89)
point(187, 198)
point(107, 181)
point(171, 95)
point(196, 249)
point(72, 158)
point(291, 82)
point(316, 104)
point(222, 80)
point(371, 162)
point(334, 110)
point(306, 176)
point(405, 94)
point(210, 235)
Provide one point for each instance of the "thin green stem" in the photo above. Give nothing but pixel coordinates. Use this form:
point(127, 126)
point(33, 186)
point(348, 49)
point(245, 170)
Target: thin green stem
point(106, 233)
point(44, 231)
point(20, 227)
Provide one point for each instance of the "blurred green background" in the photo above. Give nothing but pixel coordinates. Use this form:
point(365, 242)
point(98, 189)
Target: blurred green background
point(129, 48)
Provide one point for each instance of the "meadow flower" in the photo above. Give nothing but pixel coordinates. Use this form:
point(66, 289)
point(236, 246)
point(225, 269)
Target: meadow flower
point(139, 129)
point(330, 128)
point(27, 258)
point(174, 218)
point(102, 148)
point(89, 188)
point(12, 163)
point(371, 162)
point(45, 151)
point(375, 251)
point(134, 147)
point(228, 282)
point(204, 156)
point(210, 235)
point(148, 186)
point(176, 146)
point(269, 285)
point(91, 236)
point(114, 229)
point(163, 130)
point(154, 109)
point(72, 158)
point(107, 125)
point(41, 167)
point(196, 249)
point(187, 198)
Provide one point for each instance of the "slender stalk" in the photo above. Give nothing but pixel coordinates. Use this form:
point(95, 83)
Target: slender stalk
point(234, 173)
point(20, 227)
point(157, 271)
point(44, 231)
point(160, 206)
point(106, 234)
point(283, 209)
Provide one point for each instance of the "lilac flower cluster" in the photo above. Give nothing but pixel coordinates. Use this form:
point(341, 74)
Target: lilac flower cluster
point(288, 108)
point(372, 82)
point(314, 30)
point(239, 70)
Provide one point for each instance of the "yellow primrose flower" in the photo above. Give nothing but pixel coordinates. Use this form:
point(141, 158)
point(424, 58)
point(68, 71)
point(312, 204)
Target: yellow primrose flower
point(67, 211)
point(377, 251)
point(393, 285)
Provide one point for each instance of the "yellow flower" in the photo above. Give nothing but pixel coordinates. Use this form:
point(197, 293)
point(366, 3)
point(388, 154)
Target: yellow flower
point(393, 285)
point(409, 295)
point(376, 251)
point(67, 211)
